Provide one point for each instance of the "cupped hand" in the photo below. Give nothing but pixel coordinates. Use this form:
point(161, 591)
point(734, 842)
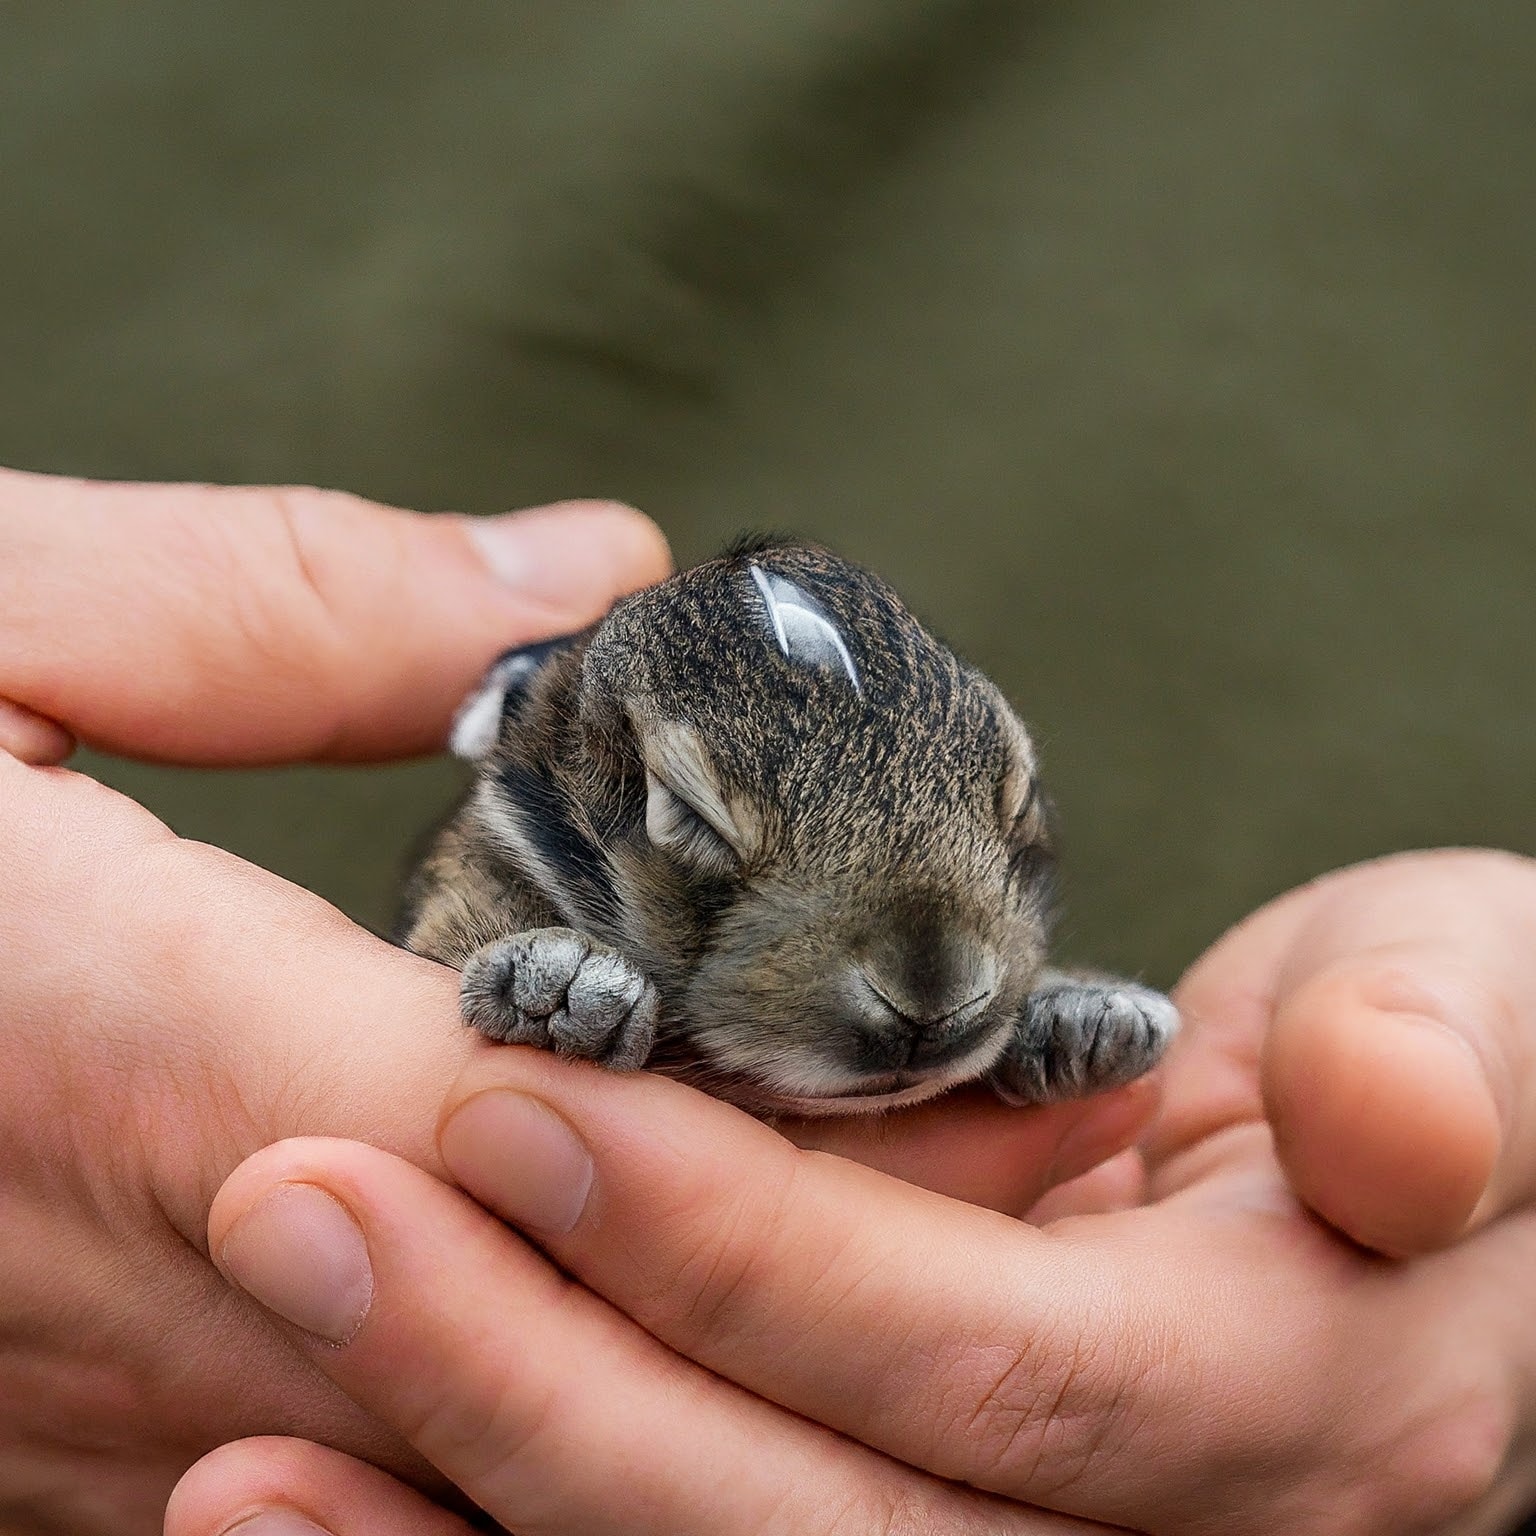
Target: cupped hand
point(169, 1009)
point(703, 1328)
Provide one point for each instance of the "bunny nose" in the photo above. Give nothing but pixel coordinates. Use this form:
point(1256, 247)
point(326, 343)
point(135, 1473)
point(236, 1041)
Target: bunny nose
point(930, 1013)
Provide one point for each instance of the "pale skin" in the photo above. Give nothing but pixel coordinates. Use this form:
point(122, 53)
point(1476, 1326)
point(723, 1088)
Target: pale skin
point(1191, 1352)
point(1181, 1347)
point(169, 1009)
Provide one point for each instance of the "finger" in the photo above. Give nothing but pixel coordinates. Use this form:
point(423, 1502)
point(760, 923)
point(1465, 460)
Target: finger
point(1400, 1071)
point(1127, 1368)
point(950, 1337)
point(1383, 1019)
point(270, 1486)
point(210, 1007)
point(30, 737)
point(973, 1147)
point(1384, 1118)
point(206, 625)
point(552, 1411)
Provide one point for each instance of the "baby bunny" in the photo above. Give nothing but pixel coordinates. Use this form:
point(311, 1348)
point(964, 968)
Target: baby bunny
point(757, 828)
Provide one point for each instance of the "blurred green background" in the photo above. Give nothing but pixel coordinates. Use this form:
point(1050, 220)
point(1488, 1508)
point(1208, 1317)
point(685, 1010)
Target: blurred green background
point(1175, 359)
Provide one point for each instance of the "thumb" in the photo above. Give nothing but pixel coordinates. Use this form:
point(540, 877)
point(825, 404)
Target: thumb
point(1400, 1069)
point(200, 624)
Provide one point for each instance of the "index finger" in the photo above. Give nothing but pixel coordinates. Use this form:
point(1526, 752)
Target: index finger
point(949, 1336)
point(1198, 1355)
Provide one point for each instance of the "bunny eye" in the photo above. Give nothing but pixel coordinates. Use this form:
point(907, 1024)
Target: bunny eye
point(1019, 806)
point(673, 824)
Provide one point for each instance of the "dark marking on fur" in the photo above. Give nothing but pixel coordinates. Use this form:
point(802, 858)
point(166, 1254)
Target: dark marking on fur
point(578, 866)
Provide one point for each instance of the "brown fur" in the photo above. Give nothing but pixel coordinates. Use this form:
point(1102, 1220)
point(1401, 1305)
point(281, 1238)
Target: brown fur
point(820, 873)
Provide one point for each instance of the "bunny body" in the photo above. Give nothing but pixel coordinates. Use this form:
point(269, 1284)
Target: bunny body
point(758, 828)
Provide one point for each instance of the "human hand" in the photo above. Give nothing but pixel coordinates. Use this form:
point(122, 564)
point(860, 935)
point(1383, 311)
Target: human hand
point(1214, 1359)
point(171, 1009)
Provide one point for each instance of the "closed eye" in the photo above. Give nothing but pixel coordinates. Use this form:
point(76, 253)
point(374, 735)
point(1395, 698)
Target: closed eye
point(1032, 825)
point(1029, 863)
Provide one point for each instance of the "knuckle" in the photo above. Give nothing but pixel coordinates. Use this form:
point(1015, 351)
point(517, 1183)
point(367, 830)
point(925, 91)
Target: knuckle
point(913, 1506)
point(300, 600)
point(484, 1427)
point(907, 1512)
point(715, 1281)
point(716, 1260)
point(1045, 1417)
point(285, 576)
point(480, 1434)
point(272, 623)
point(896, 1514)
point(1440, 1472)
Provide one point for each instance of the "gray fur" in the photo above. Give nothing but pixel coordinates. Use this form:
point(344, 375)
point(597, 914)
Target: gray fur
point(764, 790)
point(554, 988)
point(1083, 1034)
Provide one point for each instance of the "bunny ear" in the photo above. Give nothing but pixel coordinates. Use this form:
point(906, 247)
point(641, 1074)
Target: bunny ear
point(805, 632)
point(1017, 788)
point(1024, 810)
point(688, 811)
point(500, 694)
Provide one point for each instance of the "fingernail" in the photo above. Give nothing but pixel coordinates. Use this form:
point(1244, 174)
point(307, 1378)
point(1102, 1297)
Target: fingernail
point(518, 1158)
point(274, 1522)
point(299, 1252)
point(557, 554)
